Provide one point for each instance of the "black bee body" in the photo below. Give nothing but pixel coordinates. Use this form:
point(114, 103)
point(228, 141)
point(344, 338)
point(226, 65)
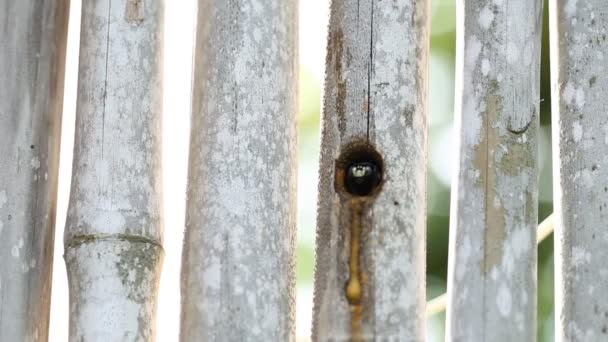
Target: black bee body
point(362, 178)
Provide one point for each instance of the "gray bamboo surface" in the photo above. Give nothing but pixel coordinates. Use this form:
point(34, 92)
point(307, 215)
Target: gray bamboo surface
point(114, 227)
point(580, 165)
point(32, 55)
point(492, 266)
point(370, 266)
point(238, 269)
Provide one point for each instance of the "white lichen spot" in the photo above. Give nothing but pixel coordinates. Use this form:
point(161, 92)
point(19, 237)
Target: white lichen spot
point(503, 300)
point(520, 242)
point(35, 163)
point(580, 256)
point(485, 67)
point(15, 251)
point(212, 275)
point(568, 93)
point(528, 53)
point(486, 17)
point(465, 253)
point(132, 276)
point(257, 6)
point(580, 97)
point(573, 95)
point(257, 34)
point(577, 131)
point(570, 8)
point(3, 198)
point(471, 115)
point(587, 179)
point(473, 49)
point(512, 53)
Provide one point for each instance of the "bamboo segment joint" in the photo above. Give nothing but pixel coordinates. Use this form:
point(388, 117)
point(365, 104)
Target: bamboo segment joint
point(77, 240)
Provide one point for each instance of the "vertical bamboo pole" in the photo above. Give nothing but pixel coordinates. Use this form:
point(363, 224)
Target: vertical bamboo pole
point(114, 226)
point(32, 55)
point(238, 271)
point(492, 266)
point(370, 269)
point(580, 138)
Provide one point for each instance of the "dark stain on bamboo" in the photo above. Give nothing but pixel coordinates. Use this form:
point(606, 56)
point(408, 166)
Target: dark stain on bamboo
point(334, 57)
point(356, 207)
point(134, 13)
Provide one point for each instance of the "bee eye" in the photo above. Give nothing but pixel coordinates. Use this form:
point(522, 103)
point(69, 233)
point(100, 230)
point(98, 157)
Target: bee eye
point(362, 178)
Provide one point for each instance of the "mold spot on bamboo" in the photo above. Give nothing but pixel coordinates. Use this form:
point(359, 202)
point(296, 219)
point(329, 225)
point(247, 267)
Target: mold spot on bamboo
point(134, 12)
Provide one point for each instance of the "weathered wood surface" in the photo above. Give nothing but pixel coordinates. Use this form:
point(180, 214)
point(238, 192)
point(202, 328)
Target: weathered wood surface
point(375, 99)
point(114, 225)
point(492, 268)
point(238, 270)
point(580, 139)
point(32, 55)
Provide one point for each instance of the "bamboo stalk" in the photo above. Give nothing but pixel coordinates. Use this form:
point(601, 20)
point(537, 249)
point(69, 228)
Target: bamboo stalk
point(113, 231)
point(238, 270)
point(580, 145)
point(370, 267)
point(33, 37)
point(492, 265)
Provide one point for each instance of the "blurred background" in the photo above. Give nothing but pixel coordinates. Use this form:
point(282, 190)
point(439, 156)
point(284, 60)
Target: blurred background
point(179, 30)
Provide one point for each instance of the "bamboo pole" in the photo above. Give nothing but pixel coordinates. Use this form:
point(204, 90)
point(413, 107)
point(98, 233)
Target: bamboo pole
point(370, 268)
point(238, 270)
point(492, 266)
point(33, 37)
point(580, 139)
point(114, 225)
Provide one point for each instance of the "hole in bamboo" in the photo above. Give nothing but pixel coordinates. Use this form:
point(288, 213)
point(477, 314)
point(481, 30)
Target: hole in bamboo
point(359, 170)
point(358, 179)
